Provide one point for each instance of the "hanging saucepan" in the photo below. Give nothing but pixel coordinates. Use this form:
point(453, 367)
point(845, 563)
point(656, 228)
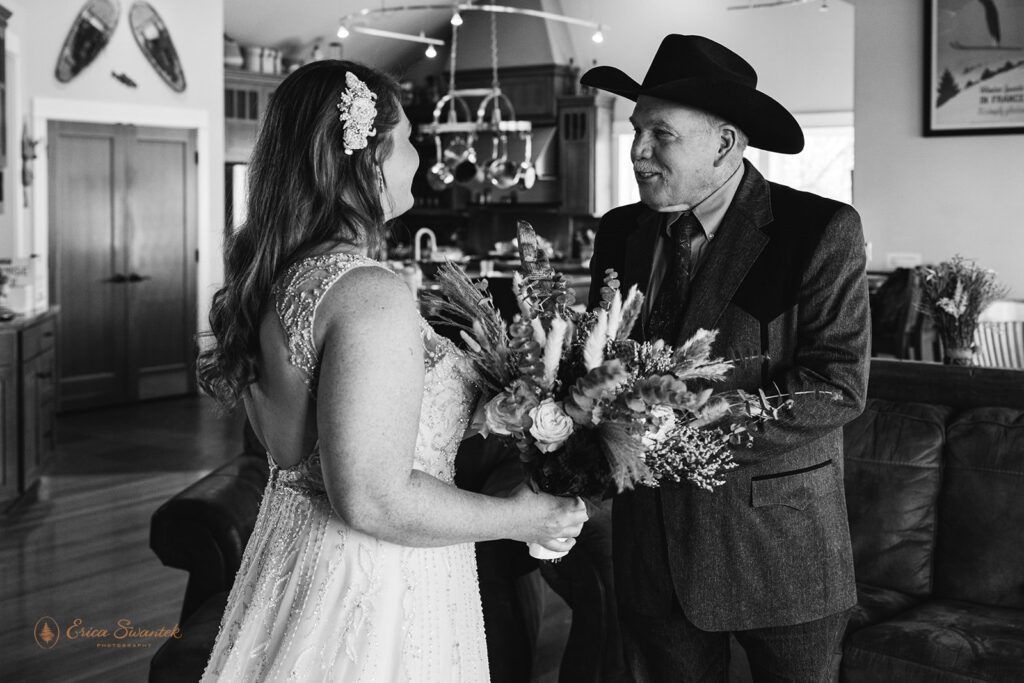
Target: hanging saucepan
point(464, 164)
point(468, 172)
point(458, 157)
point(439, 176)
point(527, 171)
point(457, 151)
point(501, 172)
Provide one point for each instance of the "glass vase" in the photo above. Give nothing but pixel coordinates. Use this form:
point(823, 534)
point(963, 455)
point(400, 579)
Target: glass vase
point(958, 355)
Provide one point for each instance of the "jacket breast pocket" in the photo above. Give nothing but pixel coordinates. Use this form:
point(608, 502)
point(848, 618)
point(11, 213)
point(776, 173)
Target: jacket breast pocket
point(796, 489)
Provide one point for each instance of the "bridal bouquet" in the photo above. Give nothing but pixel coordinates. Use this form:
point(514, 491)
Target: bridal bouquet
point(592, 411)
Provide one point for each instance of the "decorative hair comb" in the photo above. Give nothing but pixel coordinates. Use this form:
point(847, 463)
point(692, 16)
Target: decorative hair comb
point(358, 110)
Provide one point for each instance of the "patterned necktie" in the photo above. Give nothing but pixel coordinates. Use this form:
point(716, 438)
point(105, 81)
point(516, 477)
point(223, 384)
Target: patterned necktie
point(667, 311)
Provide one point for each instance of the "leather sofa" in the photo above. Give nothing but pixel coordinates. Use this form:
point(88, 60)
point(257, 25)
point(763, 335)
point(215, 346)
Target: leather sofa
point(935, 495)
point(204, 529)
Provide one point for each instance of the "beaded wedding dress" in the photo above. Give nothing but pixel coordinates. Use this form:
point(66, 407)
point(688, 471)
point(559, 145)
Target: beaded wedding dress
point(314, 599)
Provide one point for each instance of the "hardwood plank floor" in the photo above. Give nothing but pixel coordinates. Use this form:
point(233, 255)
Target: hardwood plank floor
point(79, 547)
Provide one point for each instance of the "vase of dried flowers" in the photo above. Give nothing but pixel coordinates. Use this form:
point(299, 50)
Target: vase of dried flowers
point(954, 293)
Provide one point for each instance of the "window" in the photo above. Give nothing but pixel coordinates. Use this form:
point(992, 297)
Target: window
point(824, 167)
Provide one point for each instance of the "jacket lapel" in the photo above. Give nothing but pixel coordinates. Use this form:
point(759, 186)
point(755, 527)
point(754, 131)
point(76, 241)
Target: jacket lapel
point(638, 257)
point(737, 244)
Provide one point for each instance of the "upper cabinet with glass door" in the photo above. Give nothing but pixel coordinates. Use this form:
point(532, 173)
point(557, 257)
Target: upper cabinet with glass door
point(246, 94)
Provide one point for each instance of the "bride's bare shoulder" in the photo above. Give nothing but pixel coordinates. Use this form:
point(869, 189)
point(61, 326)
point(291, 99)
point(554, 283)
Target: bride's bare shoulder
point(369, 295)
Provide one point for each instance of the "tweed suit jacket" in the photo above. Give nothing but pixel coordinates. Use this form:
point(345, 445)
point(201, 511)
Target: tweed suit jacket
point(784, 283)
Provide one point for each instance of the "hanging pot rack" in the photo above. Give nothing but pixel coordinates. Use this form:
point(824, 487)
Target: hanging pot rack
point(457, 161)
point(463, 167)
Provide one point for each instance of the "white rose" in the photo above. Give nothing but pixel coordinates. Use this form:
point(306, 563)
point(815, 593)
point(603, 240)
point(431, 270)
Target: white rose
point(551, 426)
point(663, 420)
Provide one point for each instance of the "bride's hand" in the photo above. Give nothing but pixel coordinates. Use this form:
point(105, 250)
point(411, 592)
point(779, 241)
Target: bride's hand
point(552, 521)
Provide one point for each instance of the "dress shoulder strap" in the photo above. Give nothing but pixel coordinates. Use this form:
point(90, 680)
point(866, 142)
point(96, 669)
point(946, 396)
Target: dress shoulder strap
point(297, 296)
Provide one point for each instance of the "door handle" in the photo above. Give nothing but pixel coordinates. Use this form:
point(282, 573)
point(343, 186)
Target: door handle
point(117, 278)
point(135, 277)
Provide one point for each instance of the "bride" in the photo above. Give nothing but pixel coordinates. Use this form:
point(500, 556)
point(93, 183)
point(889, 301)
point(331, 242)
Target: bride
point(361, 565)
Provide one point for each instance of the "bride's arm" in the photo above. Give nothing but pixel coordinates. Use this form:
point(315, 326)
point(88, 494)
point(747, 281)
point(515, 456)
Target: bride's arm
point(368, 404)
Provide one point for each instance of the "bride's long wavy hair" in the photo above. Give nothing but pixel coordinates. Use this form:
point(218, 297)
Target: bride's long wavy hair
point(304, 192)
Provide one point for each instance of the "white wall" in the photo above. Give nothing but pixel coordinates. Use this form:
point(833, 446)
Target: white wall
point(521, 40)
point(932, 196)
point(803, 56)
point(196, 27)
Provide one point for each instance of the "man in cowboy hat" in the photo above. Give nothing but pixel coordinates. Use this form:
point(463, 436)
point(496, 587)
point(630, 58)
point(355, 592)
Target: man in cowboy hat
point(781, 275)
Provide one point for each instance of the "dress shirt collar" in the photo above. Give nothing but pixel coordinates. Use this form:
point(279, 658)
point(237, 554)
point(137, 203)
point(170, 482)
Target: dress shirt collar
point(711, 210)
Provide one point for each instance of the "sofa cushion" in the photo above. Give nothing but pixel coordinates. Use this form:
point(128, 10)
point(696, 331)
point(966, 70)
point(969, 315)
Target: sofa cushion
point(941, 640)
point(980, 549)
point(184, 659)
point(876, 604)
point(893, 457)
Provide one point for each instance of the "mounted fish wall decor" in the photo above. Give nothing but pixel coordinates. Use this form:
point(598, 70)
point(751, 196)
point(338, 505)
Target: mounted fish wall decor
point(89, 34)
point(155, 42)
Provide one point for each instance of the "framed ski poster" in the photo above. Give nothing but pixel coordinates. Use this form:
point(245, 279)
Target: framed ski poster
point(974, 80)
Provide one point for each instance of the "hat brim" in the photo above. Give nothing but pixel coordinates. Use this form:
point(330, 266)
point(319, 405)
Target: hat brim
point(766, 123)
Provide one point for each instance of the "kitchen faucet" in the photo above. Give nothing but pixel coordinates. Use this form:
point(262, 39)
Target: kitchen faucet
point(432, 243)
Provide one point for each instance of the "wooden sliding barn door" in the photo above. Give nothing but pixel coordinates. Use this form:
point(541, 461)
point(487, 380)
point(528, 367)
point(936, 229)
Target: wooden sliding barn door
point(122, 245)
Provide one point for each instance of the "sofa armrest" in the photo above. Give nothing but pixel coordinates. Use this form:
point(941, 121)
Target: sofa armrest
point(204, 528)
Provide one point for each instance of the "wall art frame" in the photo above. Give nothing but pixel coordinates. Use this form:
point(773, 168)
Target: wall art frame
point(974, 67)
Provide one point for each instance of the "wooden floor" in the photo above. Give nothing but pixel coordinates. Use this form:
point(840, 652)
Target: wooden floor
point(79, 548)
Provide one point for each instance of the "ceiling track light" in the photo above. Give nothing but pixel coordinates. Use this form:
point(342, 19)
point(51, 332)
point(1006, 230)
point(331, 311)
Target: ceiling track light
point(457, 9)
point(380, 33)
point(778, 3)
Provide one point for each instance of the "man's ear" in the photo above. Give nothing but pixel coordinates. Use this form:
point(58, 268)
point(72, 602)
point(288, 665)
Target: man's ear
point(727, 139)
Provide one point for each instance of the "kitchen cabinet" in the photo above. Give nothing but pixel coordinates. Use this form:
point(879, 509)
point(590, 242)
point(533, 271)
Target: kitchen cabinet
point(534, 90)
point(585, 153)
point(37, 398)
point(246, 95)
point(8, 418)
point(27, 401)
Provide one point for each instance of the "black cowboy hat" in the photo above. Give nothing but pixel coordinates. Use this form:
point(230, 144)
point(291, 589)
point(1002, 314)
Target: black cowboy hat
point(700, 73)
